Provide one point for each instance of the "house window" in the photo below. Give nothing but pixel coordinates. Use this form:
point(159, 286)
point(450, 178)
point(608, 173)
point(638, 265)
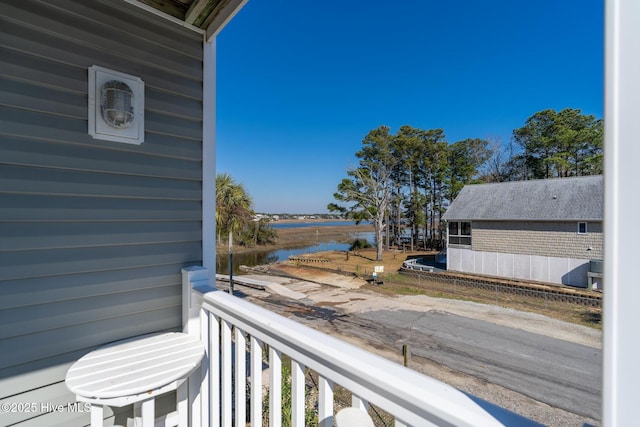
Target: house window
point(582, 228)
point(460, 233)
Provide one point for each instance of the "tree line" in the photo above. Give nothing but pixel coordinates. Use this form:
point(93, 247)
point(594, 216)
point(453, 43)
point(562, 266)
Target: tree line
point(406, 180)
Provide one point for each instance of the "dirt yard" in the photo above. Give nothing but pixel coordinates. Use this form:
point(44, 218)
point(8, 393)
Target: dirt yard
point(362, 264)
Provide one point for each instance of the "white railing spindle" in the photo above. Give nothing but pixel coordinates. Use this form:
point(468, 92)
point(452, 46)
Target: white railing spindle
point(359, 403)
point(240, 378)
point(182, 404)
point(256, 382)
point(325, 402)
point(205, 336)
point(214, 369)
point(297, 394)
point(148, 412)
point(195, 411)
point(226, 368)
point(275, 387)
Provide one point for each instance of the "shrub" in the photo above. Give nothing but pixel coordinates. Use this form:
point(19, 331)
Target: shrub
point(360, 244)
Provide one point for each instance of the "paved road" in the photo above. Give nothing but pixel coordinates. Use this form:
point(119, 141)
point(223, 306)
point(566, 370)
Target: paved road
point(559, 373)
point(556, 372)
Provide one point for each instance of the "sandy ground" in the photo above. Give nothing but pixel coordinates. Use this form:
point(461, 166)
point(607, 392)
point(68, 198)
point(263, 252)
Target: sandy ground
point(351, 295)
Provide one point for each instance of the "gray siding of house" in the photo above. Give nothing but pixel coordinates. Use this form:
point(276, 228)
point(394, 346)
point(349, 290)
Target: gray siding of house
point(551, 252)
point(542, 238)
point(93, 234)
point(547, 269)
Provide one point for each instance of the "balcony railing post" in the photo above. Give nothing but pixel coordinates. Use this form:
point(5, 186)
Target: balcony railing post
point(195, 323)
point(192, 277)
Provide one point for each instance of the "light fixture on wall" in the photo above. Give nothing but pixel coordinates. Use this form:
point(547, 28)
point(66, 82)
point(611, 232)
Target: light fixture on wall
point(116, 106)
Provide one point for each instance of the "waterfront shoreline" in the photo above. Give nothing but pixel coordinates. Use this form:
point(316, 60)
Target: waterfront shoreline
point(299, 237)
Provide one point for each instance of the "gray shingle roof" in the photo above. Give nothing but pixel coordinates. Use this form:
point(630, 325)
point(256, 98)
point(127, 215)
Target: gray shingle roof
point(569, 199)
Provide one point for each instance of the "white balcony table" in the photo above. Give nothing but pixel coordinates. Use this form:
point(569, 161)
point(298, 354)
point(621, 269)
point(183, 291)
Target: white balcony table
point(136, 371)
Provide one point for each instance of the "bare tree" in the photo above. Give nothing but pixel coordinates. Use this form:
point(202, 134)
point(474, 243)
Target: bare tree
point(366, 193)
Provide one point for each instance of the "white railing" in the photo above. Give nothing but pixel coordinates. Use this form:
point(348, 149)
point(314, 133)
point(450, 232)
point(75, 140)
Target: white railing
point(227, 323)
point(412, 264)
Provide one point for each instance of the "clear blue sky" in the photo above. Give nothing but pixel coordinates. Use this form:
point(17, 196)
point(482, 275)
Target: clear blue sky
point(301, 82)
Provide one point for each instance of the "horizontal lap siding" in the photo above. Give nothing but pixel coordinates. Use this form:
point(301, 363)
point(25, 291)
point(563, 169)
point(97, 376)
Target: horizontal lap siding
point(93, 234)
point(552, 239)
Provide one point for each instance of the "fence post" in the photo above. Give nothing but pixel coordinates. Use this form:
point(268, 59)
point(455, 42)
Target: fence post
point(406, 355)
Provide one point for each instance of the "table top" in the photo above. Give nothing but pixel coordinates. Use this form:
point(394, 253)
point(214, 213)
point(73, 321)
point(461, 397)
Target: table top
point(136, 365)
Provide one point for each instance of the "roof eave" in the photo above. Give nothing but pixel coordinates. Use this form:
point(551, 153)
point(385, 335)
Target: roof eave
point(224, 16)
point(212, 22)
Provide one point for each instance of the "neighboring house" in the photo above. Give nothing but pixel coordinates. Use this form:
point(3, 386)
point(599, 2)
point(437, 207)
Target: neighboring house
point(540, 230)
point(94, 230)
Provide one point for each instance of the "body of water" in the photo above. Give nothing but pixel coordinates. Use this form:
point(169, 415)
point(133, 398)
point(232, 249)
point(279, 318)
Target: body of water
point(265, 256)
point(277, 225)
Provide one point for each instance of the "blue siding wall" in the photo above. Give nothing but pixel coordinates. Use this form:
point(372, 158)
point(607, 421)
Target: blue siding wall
point(93, 234)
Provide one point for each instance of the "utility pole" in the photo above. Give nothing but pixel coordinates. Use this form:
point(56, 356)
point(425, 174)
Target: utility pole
point(231, 262)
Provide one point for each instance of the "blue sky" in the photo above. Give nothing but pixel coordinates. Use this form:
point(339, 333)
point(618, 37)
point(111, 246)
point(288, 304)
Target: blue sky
point(300, 83)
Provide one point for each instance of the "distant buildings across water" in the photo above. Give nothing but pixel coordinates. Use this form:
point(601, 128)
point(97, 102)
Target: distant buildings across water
point(314, 224)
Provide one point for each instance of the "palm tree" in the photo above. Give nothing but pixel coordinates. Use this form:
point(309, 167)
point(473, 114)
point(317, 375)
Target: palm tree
point(233, 205)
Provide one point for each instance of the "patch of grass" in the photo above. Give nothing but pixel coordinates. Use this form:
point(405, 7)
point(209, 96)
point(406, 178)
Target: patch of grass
point(397, 284)
point(592, 317)
point(407, 290)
